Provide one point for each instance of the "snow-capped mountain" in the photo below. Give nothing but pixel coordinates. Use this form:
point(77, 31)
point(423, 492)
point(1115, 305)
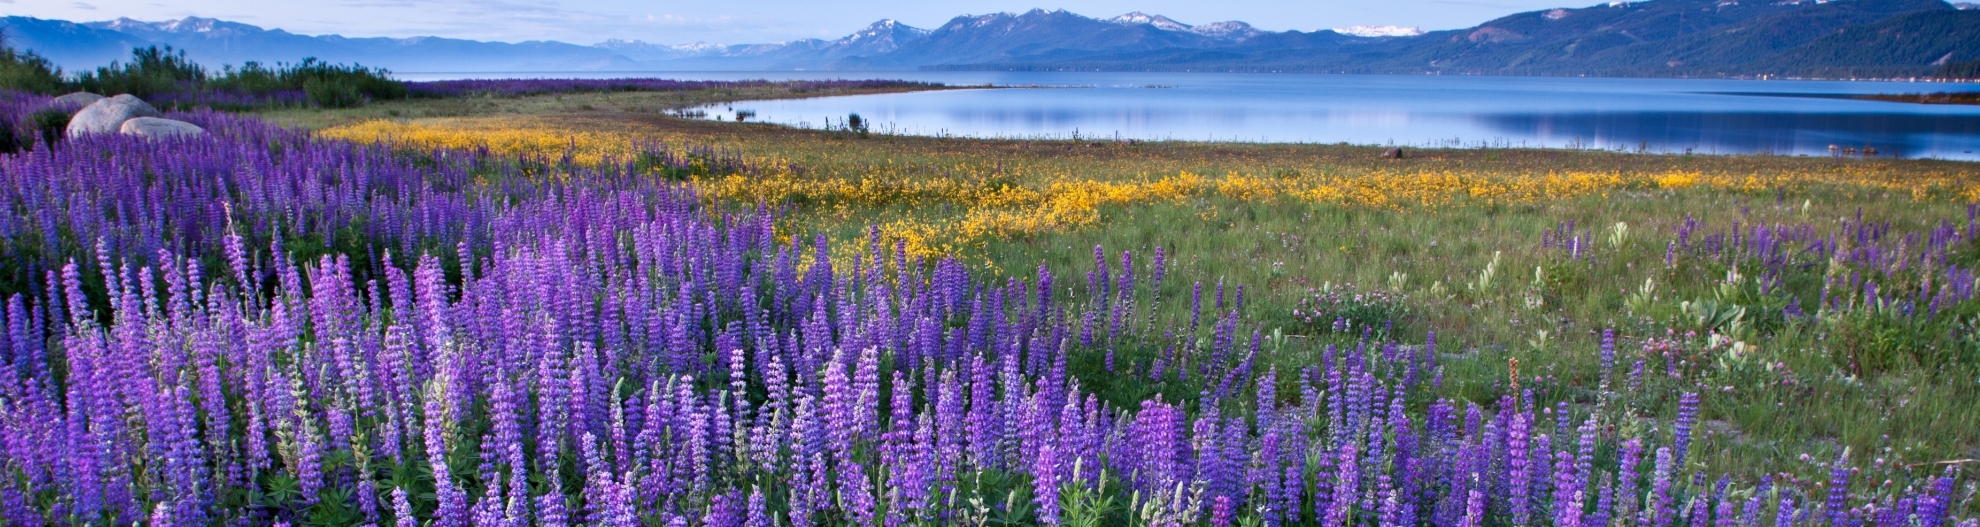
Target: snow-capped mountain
point(1717, 37)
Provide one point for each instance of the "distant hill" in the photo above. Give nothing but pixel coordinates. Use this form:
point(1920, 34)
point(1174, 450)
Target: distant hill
point(214, 42)
point(1657, 38)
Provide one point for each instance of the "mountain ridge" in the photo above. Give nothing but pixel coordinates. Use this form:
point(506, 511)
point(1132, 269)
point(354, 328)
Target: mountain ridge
point(1656, 38)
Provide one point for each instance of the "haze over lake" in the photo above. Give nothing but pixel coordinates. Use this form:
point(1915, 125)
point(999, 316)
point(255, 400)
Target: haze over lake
point(1660, 115)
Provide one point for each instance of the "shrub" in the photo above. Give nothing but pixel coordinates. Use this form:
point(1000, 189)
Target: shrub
point(169, 80)
point(1344, 308)
point(335, 85)
point(151, 71)
point(320, 83)
point(28, 72)
point(332, 93)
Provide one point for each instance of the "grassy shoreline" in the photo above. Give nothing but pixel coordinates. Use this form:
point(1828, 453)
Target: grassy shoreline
point(634, 102)
point(1966, 98)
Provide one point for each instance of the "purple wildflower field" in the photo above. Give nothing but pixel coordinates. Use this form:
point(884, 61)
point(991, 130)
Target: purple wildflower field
point(262, 327)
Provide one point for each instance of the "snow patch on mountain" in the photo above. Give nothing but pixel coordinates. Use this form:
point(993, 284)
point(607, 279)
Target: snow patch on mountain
point(1159, 21)
point(1379, 31)
point(1233, 29)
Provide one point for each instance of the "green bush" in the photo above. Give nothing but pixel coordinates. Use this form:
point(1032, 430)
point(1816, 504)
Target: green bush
point(252, 77)
point(26, 71)
point(154, 71)
point(328, 85)
point(332, 93)
point(51, 123)
point(150, 72)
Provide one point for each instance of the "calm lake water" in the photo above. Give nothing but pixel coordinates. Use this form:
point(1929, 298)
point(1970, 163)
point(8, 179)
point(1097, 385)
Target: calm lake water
point(1660, 115)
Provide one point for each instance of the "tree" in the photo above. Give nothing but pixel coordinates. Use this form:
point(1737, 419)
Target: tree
point(26, 71)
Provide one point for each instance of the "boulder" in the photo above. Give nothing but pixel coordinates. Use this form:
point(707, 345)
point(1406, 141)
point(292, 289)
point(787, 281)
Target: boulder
point(1393, 153)
point(156, 128)
point(107, 116)
point(75, 101)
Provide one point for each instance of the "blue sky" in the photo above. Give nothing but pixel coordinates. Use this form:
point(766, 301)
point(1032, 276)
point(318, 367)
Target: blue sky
point(740, 21)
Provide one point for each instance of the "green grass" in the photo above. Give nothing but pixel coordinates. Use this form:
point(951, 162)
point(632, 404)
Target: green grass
point(1757, 421)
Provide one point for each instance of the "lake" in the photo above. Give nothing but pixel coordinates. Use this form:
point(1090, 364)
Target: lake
point(1658, 115)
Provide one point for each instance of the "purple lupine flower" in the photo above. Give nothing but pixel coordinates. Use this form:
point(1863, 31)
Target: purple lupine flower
point(856, 495)
point(1195, 306)
point(1045, 485)
point(1626, 479)
point(1605, 502)
point(1518, 469)
point(1836, 508)
point(1346, 483)
point(1608, 356)
point(1932, 508)
point(1474, 506)
point(453, 508)
point(1568, 497)
point(1686, 418)
point(1661, 509)
point(551, 508)
point(1220, 512)
point(402, 512)
point(758, 513)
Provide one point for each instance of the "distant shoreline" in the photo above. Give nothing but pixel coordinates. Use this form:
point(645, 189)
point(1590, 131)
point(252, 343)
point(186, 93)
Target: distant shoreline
point(1946, 98)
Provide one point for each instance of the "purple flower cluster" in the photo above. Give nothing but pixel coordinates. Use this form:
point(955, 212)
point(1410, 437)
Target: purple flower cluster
point(525, 87)
point(1860, 265)
point(19, 116)
point(135, 198)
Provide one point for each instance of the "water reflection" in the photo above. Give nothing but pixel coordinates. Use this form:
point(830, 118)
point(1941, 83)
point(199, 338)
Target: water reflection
point(1900, 134)
point(1662, 115)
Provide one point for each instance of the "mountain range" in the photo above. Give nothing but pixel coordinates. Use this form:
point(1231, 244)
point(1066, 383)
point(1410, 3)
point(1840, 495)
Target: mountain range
point(1656, 38)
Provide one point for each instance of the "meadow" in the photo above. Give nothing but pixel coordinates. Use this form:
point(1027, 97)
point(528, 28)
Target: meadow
point(574, 308)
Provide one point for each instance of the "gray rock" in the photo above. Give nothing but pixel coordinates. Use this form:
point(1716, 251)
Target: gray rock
point(1393, 153)
point(107, 116)
point(75, 101)
point(156, 128)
